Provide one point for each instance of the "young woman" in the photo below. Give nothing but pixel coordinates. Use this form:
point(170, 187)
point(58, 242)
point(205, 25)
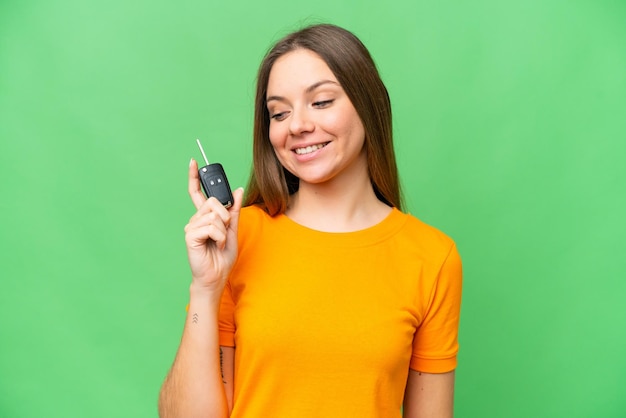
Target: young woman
point(318, 298)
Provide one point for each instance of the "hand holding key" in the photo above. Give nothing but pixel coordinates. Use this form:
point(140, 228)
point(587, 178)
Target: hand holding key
point(211, 236)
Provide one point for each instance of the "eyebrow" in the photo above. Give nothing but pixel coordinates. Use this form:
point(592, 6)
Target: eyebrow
point(308, 89)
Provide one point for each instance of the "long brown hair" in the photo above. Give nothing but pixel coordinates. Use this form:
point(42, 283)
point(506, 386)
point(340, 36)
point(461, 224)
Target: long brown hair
point(270, 184)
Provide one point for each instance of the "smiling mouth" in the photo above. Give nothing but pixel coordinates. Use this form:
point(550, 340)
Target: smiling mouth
point(310, 149)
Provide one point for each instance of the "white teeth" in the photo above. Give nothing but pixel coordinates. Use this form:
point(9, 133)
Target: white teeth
point(309, 149)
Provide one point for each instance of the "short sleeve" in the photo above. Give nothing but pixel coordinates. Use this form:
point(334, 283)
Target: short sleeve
point(226, 319)
point(435, 345)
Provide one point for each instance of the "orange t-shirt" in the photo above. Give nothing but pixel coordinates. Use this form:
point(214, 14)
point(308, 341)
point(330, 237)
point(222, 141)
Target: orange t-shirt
point(328, 324)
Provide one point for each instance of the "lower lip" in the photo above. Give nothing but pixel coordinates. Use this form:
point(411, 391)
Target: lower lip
point(310, 155)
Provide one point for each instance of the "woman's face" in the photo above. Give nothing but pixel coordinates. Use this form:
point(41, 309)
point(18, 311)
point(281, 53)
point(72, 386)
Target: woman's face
point(315, 130)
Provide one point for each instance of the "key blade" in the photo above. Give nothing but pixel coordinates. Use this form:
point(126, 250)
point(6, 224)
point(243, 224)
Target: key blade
point(202, 151)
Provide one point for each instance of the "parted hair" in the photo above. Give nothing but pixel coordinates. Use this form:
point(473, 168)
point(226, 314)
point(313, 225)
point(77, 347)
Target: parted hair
point(270, 184)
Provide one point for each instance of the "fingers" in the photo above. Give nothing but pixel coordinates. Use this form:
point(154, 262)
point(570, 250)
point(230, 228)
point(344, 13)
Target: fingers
point(212, 221)
point(209, 219)
point(206, 226)
point(197, 236)
point(195, 191)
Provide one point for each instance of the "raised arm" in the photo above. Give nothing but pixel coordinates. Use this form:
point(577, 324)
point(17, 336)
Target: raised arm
point(197, 385)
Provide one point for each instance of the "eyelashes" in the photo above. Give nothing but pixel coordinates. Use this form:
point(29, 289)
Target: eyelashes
point(279, 116)
point(320, 104)
point(323, 103)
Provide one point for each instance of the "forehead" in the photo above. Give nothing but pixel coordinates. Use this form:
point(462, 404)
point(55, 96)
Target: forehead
point(297, 69)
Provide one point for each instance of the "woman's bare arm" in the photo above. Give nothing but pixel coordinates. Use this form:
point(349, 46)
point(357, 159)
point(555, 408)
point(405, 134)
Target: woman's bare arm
point(429, 395)
point(195, 385)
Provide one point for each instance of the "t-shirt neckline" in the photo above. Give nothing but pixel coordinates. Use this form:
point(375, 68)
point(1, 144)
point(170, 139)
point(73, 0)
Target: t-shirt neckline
point(387, 227)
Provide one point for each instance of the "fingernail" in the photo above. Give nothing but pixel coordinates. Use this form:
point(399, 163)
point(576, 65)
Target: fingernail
point(190, 161)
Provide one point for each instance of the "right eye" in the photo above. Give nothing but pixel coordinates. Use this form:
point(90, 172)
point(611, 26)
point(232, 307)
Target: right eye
point(279, 116)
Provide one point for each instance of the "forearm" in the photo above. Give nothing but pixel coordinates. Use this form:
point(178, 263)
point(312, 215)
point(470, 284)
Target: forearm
point(194, 385)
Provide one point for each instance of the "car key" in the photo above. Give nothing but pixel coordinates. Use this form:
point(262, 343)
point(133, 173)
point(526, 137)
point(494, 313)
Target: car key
point(214, 181)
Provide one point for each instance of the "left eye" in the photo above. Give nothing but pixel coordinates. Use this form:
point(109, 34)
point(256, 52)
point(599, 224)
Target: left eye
point(322, 103)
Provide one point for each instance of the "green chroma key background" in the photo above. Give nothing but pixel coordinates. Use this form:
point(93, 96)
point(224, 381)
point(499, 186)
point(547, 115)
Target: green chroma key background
point(510, 126)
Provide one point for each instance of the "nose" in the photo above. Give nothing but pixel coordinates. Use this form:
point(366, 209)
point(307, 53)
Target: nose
point(300, 122)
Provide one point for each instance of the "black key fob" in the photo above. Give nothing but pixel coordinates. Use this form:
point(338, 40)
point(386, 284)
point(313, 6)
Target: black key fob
point(214, 181)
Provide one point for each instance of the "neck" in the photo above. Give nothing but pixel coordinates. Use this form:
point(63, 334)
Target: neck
point(337, 206)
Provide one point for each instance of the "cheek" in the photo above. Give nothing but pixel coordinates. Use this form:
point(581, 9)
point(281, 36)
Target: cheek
point(277, 141)
point(332, 121)
point(345, 122)
point(357, 127)
point(276, 135)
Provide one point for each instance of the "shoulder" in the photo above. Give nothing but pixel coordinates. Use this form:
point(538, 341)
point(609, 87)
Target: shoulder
point(255, 222)
point(252, 213)
point(428, 232)
point(419, 237)
point(251, 217)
